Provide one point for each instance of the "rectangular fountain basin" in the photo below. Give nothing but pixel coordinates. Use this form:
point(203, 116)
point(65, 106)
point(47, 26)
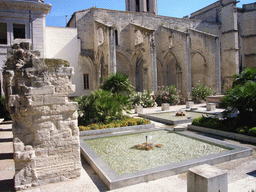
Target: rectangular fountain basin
point(104, 153)
point(170, 118)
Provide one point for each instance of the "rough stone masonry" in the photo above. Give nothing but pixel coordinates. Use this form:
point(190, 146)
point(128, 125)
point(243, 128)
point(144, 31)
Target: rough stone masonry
point(45, 130)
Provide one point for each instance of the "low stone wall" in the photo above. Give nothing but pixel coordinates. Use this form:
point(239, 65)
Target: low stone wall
point(45, 131)
point(119, 129)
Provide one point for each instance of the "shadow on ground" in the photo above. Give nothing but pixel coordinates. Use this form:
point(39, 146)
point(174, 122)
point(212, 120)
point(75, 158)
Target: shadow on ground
point(7, 185)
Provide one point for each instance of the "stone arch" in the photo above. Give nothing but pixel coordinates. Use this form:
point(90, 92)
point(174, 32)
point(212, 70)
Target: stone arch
point(198, 69)
point(172, 71)
point(139, 71)
point(87, 67)
point(123, 64)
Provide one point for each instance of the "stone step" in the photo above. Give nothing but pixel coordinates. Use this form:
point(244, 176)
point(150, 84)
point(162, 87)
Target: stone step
point(6, 150)
point(6, 136)
point(7, 169)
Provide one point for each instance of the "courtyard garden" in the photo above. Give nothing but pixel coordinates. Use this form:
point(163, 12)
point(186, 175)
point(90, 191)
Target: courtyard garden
point(240, 105)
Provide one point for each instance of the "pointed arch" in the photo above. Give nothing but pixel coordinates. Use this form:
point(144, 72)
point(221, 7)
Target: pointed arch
point(123, 64)
point(198, 68)
point(170, 71)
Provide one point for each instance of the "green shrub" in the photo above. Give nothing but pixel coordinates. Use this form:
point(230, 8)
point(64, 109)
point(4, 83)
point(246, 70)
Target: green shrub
point(242, 98)
point(144, 99)
point(200, 92)
point(209, 122)
point(168, 94)
point(3, 111)
point(100, 106)
point(125, 121)
point(119, 85)
point(249, 74)
point(252, 131)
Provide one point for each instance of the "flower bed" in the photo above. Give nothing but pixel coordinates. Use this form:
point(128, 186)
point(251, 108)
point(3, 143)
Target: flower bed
point(118, 123)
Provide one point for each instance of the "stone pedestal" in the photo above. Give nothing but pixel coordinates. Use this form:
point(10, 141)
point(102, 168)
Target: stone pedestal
point(189, 104)
point(165, 106)
point(138, 109)
point(211, 106)
point(206, 178)
point(45, 131)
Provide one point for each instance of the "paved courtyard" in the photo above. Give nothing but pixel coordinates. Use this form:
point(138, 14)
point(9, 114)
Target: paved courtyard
point(241, 172)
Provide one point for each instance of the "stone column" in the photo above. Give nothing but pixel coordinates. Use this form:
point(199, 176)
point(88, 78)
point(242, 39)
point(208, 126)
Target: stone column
point(153, 61)
point(45, 130)
point(188, 58)
point(217, 66)
point(112, 50)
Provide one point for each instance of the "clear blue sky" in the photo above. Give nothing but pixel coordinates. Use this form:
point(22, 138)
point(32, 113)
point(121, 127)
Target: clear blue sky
point(172, 8)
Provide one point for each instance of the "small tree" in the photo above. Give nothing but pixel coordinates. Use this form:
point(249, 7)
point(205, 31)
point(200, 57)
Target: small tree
point(119, 85)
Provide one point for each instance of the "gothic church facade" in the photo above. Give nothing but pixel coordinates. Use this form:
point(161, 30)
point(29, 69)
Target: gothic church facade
point(157, 50)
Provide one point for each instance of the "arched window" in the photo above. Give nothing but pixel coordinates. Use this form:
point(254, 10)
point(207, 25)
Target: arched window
point(116, 37)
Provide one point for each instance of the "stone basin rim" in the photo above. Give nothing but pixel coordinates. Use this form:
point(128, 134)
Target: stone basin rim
point(114, 181)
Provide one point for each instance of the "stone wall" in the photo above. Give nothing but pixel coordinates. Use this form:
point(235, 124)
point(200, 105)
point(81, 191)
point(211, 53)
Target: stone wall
point(45, 130)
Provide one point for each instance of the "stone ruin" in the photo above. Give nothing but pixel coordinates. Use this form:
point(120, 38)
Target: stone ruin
point(45, 131)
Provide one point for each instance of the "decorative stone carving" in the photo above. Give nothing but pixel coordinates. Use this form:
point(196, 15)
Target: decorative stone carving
point(45, 130)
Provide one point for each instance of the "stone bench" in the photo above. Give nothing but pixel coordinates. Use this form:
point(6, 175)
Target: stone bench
point(206, 178)
point(165, 106)
point(211, 106)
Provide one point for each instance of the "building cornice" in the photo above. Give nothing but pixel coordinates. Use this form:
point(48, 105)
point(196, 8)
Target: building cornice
point(27, 5)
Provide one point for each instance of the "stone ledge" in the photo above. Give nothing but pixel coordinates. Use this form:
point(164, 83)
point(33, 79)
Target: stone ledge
point(230, 135)
point(113, 130)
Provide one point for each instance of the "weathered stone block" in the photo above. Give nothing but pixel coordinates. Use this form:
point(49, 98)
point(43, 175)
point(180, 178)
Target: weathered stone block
point(211, 106)
point(165, 106)
point(189, 104)
point(53, 100)
point(138, 109)
point(206, 178)
point(41, 90)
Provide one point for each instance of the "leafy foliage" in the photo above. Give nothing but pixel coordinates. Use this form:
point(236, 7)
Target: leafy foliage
point(100, 106)
point(242, 98)
point(232, 124)
point(249, 74)
point(168, 94)
point(118, 83)
point(200, 92)
point(145, 99)
point(107, 103)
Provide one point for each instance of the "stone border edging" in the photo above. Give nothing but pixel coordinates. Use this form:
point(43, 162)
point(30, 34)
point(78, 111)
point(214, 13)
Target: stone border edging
point(230, 135)
point(112, 130)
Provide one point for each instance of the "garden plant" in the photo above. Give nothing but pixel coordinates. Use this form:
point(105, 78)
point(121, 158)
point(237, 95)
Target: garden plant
point(241, 98)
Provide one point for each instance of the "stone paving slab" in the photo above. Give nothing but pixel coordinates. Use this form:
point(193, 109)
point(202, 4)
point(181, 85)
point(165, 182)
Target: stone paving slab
point(6, 147)
point(7, 169)
point(6, 135)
